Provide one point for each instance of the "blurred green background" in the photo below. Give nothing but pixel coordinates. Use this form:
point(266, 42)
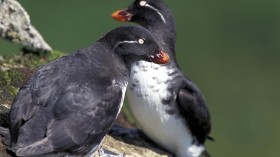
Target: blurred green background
point(231, 49)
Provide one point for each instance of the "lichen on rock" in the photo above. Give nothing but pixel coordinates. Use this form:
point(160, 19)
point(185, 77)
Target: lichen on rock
point(15, 26)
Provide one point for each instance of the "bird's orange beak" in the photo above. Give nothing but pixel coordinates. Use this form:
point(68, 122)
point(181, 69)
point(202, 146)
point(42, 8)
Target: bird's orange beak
point(122, 15)
point(160, 58)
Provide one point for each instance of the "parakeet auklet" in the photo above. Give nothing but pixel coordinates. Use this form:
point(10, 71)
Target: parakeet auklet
point(69, 104)
point(168, 106)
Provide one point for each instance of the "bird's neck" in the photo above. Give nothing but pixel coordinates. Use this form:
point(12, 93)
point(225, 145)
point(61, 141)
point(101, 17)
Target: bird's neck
point(113, 62)
point(166, 37)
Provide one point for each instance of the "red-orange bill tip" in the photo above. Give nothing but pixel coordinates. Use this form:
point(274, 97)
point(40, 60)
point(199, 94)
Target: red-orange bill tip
point(121, 15)
point(160, 58)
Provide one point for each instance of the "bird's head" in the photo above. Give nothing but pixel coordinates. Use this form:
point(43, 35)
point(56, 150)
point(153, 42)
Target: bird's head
point(135, 43)
point(144, 12)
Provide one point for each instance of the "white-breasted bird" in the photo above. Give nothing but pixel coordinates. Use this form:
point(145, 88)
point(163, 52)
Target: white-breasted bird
point(168, 106)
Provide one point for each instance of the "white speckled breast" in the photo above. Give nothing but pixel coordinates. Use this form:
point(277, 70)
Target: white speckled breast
point(147, 88)
point(148, 78)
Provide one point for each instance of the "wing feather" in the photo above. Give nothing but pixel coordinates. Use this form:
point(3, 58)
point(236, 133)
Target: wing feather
point(193, 107)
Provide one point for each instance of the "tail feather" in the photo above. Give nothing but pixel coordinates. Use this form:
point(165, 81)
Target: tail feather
point(41, 147)
point(205, 152)
point(5, 133)
point(210, 138)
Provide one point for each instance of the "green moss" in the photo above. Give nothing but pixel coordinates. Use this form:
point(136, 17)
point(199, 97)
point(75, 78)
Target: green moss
point(55, 54)
point(15, 71)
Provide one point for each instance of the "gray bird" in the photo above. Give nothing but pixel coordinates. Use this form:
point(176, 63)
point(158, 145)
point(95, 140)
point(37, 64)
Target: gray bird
point(69, 104)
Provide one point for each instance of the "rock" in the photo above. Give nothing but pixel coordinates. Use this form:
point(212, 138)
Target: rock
point(132, 142)
point(130, 150)
point(3, 122)
point(15, 26)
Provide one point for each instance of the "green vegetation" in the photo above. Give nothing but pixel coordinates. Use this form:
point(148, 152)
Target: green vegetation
point(15, 71)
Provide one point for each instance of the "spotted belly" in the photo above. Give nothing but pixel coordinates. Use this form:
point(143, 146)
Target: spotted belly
point(152, 104)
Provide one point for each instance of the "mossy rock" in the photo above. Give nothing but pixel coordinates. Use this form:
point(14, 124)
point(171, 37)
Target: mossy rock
point(15, 71)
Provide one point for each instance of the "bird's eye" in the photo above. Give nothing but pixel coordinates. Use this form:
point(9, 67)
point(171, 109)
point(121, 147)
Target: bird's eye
point(141, 41)
point(142, 3)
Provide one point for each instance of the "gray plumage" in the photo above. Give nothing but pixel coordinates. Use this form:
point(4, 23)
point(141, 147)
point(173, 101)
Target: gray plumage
point(69, 104)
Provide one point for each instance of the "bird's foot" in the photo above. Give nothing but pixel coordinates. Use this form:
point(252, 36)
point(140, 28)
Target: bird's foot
point(127, 133)
point(102, 153)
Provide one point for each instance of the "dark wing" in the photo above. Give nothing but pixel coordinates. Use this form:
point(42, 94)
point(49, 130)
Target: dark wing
point(36, 99)
point(22, 110)
point(40, 90)
point(80, 121)
point(86, 122)
point(38, 94)
point(192, 106)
